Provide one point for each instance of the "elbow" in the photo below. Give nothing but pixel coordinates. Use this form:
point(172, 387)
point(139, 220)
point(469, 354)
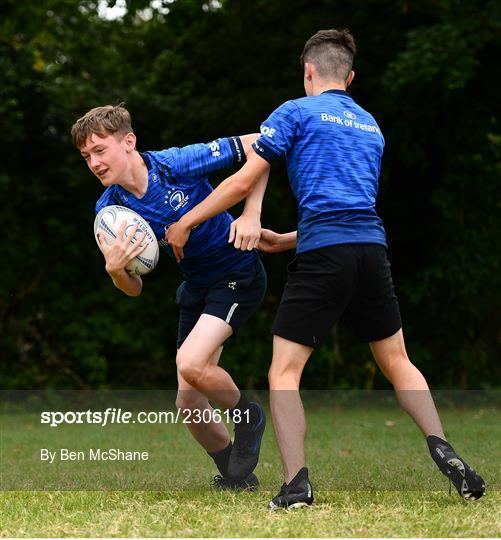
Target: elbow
point(129, 284)
point(253, 137)
point(244, 188)
point(247, 142)
point(136, 291)
point(130, 292)
point(238, 188)
point(133, 293)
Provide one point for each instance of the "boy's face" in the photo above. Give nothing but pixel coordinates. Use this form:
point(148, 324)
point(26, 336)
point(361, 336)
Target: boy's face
point(107, 157)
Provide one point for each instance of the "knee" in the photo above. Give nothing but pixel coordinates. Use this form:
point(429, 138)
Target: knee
point(396, 364)
point(289, 359)
point(284, 375)
point(397, 361)
point(191, 368)
point(273, 374)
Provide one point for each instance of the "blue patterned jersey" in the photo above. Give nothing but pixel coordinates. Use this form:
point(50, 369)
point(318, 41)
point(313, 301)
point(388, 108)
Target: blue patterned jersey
point(177, 181)
point(333, 150)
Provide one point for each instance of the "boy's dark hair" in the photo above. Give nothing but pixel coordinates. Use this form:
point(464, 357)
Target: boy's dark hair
point(102, 121)
point(332, 52)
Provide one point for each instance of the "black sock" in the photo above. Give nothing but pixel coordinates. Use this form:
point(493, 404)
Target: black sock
point(237, 412)
point(221, 459)
point(248, 414)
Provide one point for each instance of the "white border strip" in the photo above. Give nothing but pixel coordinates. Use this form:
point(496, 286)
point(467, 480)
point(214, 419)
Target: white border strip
point(230, 313)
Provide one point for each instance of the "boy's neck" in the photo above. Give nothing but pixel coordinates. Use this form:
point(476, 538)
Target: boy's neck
point(322, 86)
point(137, 176)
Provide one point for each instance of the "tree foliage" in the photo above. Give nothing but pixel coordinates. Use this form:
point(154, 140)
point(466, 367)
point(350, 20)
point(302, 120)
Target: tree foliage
point(193, 70)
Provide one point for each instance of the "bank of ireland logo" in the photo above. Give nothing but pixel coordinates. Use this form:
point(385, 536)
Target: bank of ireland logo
point(349, 115)
point(176, 199)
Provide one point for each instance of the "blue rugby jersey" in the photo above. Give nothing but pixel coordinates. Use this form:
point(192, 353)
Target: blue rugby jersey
point(177, 181)
point(333, 150)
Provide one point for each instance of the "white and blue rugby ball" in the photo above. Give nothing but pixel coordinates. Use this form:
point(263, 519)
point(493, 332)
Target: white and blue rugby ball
point(108, 221)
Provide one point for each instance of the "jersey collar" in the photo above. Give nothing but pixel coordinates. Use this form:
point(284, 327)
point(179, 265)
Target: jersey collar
point(146, 160)
point(335, 91)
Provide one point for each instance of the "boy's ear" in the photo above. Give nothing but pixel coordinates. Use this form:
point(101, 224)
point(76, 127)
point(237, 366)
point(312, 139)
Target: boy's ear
point(130, 142)
point(308, 71)
point(350, 78)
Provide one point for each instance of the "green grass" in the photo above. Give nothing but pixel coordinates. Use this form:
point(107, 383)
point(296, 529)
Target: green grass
point(370, 469)
point(191, 514)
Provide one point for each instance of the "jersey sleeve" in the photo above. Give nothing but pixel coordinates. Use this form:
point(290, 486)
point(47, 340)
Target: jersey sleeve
point(109, 197)
point(196, 160)
point(278, 132)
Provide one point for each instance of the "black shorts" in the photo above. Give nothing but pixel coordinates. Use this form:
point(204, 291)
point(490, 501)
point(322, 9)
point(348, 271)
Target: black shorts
point(232, 298)
point(347, 282)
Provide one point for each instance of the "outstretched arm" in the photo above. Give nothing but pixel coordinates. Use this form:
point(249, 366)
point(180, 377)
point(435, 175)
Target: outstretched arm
point(272, 242)
point(245, 231)
point(230, 192)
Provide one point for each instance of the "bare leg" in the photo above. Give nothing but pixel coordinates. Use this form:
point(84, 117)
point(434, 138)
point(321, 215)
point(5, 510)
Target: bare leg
point(410, 386)
point(289, 359)
point(414, 396)
point(196, 368)
point(213, 436)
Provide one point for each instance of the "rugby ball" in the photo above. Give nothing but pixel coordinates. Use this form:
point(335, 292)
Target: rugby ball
point(108, 221)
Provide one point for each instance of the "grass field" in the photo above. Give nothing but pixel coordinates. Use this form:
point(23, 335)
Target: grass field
point(370, 470)
point(191, 514)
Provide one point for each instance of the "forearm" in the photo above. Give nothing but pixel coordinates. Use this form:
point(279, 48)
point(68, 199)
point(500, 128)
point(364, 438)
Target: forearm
point(226, 195)
point(230, 192)
point(272, 242)
point(288, 241)
point(128, 284)
point(254, 200)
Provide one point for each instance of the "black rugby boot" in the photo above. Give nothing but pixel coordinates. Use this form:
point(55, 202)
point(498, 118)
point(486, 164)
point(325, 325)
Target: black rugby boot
point(298, 492)
point(251, 483)
point(469, 484)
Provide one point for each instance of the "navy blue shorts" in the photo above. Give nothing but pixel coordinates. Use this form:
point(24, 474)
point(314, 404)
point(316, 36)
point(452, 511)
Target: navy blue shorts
point(350, 283)
point(232, 298)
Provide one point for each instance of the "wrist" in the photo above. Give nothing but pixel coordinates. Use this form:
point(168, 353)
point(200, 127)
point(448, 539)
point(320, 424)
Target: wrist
point(187, 222)
point(254, 213)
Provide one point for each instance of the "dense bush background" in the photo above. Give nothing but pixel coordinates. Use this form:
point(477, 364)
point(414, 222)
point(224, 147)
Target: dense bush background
point(193, 70)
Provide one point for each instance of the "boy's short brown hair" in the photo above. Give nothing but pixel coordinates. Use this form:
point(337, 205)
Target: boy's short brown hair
point(102, 121)
point(332, 52)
